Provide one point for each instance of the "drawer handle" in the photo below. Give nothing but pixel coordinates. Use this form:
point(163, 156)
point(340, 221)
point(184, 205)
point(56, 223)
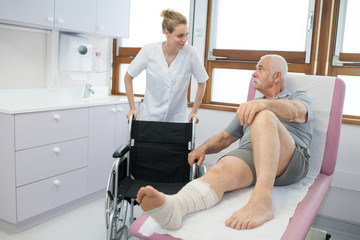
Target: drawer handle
point(120, 109)
point(57, 149)
point(60, 20)
point(57, 116)
point(50, 19)
point(57, 182)
point(113, 110)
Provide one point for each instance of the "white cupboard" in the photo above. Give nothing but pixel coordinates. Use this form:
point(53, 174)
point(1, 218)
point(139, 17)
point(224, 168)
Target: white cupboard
point(103, 17)
point(107, 131)
point(52, 158)
point(113, 17)
point(28, 11)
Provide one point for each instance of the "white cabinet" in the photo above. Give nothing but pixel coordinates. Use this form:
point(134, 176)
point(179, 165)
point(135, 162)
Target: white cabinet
point(107, 131)
point(122, 126)
point(113, 17)
point(105, 17)
point(39, 12)
point(43, 161)
point(53, 158)
point(79, 15)
point(101, 145)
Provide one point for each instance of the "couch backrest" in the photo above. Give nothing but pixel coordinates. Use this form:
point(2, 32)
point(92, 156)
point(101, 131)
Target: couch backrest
point(327, 95)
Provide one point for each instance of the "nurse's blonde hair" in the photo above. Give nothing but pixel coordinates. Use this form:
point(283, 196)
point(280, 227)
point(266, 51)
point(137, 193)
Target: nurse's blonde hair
point(171, 20)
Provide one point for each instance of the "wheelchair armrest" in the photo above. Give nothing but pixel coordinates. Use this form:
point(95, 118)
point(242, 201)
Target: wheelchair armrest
point(121, 151)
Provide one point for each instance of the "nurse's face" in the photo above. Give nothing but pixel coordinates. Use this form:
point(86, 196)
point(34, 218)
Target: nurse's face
point(178, 37)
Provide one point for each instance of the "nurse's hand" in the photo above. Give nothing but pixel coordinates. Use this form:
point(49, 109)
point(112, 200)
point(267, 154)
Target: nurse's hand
point(132, 112)
point(193, 115)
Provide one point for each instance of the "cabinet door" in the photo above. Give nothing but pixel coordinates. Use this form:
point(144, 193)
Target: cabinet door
point(35, 11)
point(79, 15)
point(122, 126)
point(113, 17)
point(101, 145)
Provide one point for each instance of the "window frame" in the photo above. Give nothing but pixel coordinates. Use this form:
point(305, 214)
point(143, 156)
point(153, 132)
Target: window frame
point(247, 60)
point(349, 61)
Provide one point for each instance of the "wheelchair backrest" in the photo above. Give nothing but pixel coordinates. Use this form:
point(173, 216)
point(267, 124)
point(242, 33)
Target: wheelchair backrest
point(159, 151)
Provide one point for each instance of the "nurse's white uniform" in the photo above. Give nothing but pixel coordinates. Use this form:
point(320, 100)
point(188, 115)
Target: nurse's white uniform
point(166, 87)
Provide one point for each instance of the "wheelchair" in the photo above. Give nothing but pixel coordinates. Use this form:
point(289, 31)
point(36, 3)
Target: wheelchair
point(156, 154)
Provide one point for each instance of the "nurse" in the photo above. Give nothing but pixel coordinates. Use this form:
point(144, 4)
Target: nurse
point(169, 66)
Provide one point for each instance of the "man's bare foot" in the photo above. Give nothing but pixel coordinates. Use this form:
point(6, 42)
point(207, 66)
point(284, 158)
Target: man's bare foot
point(252, 215)
point(149, 198)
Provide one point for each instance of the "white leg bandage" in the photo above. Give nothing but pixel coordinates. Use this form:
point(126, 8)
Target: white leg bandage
point(195, 196)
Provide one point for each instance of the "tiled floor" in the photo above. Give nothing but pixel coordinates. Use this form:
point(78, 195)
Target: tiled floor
point(88, 223)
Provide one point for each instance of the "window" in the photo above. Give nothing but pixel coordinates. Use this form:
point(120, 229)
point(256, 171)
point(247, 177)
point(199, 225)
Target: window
point(145, 27)
point(234, 27)
point(239, 37)
point(344, 60)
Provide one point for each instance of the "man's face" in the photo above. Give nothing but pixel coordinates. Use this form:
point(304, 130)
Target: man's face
point(262, 76)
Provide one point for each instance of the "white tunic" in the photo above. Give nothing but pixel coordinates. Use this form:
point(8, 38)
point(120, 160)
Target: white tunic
point(166, 87)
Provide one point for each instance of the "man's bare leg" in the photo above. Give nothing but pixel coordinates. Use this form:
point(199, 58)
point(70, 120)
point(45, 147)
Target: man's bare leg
point(272, 150)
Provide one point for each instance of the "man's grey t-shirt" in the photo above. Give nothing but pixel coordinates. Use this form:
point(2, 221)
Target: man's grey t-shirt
point(301, 132)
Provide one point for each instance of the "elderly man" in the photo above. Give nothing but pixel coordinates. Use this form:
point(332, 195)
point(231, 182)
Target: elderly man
point(275, 133)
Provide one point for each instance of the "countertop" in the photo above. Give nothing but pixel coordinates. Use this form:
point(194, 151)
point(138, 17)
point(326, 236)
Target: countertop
point(37, 100)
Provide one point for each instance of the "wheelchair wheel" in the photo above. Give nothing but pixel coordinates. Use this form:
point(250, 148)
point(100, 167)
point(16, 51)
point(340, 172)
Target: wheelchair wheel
point(109, 198)
point(117, 229)
point(123, 233)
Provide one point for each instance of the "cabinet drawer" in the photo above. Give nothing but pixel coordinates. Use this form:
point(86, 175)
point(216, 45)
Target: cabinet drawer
point(36, 198)
point(42, 128)
point(42, 162)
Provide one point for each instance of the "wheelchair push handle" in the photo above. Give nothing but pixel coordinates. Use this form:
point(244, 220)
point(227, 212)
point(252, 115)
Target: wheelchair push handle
point(131, 117)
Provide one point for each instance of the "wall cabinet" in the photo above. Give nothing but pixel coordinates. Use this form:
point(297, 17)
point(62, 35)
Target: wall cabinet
point(113, 17)
point(52, 158)
point(28, 11)
point(105, 17)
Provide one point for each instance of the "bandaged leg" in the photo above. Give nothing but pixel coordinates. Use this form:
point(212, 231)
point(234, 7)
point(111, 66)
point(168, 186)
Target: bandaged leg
point(195, 196)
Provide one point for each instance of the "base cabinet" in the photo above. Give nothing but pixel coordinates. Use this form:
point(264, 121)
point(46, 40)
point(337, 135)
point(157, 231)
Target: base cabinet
point(107, 131)
point(53, 158)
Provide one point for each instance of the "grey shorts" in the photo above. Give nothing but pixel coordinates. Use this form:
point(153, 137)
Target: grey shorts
point(296, 170)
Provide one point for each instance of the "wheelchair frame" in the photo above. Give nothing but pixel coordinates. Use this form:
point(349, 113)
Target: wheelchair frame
point(116, 206)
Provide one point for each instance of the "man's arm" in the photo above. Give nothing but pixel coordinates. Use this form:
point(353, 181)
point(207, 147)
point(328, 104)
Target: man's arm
point(213, 145)
point(288, 110)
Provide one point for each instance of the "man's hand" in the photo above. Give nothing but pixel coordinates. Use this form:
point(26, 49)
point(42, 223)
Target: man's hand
point(247, 111)
point(197, 154)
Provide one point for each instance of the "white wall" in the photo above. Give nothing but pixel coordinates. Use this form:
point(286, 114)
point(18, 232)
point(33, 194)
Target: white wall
point(22, 58)
point(25, 55)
